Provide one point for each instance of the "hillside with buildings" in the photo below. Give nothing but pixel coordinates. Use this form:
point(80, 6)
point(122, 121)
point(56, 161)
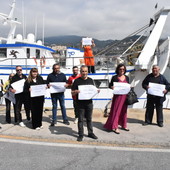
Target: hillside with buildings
point(113, 47)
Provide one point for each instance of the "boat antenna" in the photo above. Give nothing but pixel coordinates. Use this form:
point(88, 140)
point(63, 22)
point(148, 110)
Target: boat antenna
point(25, 26)
point(23, 20)
point(35, 28)
point(43, 30)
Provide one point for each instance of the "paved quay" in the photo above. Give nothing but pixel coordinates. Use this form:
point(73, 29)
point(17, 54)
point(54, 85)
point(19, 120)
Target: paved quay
point(150, 136)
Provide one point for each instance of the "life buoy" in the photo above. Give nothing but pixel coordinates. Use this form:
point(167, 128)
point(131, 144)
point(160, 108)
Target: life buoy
point(42, 62)
point(35, 60)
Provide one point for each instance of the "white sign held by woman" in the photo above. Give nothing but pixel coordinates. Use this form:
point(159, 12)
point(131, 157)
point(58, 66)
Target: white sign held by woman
point(121, 88)
point(38, 90)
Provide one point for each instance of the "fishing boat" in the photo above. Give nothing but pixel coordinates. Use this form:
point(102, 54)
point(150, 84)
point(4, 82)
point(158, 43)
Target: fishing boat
point(30, 53)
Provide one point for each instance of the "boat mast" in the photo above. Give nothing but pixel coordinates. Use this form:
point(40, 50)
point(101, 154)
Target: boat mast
point(8, 19)
point(148, 51)
point(12, 23)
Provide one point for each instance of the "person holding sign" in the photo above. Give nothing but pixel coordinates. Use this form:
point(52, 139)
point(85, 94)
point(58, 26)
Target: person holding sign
point(85, 107)
point(70, 81)
point(154, 99)
point(37, 102)
point(17, 84)
point(57, 93)
point(118, 112)
point(6, 87)
point(88, 44)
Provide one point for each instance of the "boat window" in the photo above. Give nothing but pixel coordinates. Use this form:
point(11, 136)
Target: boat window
point(28, 52)
point(3, 52)
point(101, 83)
point(37, 53)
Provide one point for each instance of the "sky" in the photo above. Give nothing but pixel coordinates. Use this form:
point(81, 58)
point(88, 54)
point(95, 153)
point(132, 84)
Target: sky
point(99, 19)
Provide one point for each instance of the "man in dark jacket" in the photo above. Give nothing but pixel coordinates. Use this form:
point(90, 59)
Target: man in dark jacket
point(20, 98)
point(155, 101)
point(57, 76)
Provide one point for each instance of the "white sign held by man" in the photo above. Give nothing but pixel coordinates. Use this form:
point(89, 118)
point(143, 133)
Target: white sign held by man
point(87, 92)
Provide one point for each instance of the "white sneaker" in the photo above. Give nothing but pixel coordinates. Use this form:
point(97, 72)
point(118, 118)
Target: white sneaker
point(76, 121)
point(21, 124)
point(41, 127)
point(37, 128)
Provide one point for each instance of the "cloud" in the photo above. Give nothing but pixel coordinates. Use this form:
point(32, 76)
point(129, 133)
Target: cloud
point(109, 19)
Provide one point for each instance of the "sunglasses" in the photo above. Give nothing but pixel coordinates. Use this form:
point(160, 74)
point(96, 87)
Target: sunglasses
point(19, 70)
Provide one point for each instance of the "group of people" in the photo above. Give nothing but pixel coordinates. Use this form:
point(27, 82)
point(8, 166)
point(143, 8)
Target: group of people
point(34, 105)
point(118, 112)
point(82, 108)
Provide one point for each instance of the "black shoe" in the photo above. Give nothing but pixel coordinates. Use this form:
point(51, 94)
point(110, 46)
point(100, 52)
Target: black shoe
point(160, 124)
point(92, 135)
point(53, 123)
point(115, 131)
point(125, 129)
point(66, 122)
point(145, 124)
point(80, 138)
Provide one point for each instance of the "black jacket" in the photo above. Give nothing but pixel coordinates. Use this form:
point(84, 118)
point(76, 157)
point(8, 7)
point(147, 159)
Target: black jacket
point(27, 84)
point(163, 80)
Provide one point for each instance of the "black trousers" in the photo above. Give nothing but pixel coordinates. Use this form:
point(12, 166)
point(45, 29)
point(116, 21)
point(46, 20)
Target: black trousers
point(75, 108)
point(21, 99)
point(37, 111)
point(27, 105)
point(154, 102)
point(85, 110)
point(91, 69)
point(8, 111)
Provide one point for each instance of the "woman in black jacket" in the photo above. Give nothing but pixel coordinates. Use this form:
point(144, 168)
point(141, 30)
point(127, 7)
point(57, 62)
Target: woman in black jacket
point(36, 102)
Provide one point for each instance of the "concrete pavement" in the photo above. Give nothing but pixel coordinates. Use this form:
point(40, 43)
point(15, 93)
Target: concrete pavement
point(139, 136)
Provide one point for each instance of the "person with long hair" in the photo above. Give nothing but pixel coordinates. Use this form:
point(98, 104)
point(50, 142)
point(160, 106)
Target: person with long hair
point(118, 112)
point(6, 87)
point(36, 102)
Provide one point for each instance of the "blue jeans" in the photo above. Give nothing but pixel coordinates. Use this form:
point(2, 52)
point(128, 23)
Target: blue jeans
point(55, 97)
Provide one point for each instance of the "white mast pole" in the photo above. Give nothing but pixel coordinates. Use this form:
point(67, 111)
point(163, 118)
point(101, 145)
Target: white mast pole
point(36, 28)
point(43, 30)
point(23, 20)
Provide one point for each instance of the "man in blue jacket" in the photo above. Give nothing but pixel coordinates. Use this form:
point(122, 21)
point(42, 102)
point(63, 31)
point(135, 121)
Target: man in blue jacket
point(155, 101)
point(57, 76)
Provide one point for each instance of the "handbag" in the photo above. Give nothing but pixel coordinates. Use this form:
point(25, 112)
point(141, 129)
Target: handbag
point(131, 97)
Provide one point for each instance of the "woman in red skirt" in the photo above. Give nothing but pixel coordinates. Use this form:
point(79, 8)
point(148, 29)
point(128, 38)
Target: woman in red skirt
point(118, 112)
